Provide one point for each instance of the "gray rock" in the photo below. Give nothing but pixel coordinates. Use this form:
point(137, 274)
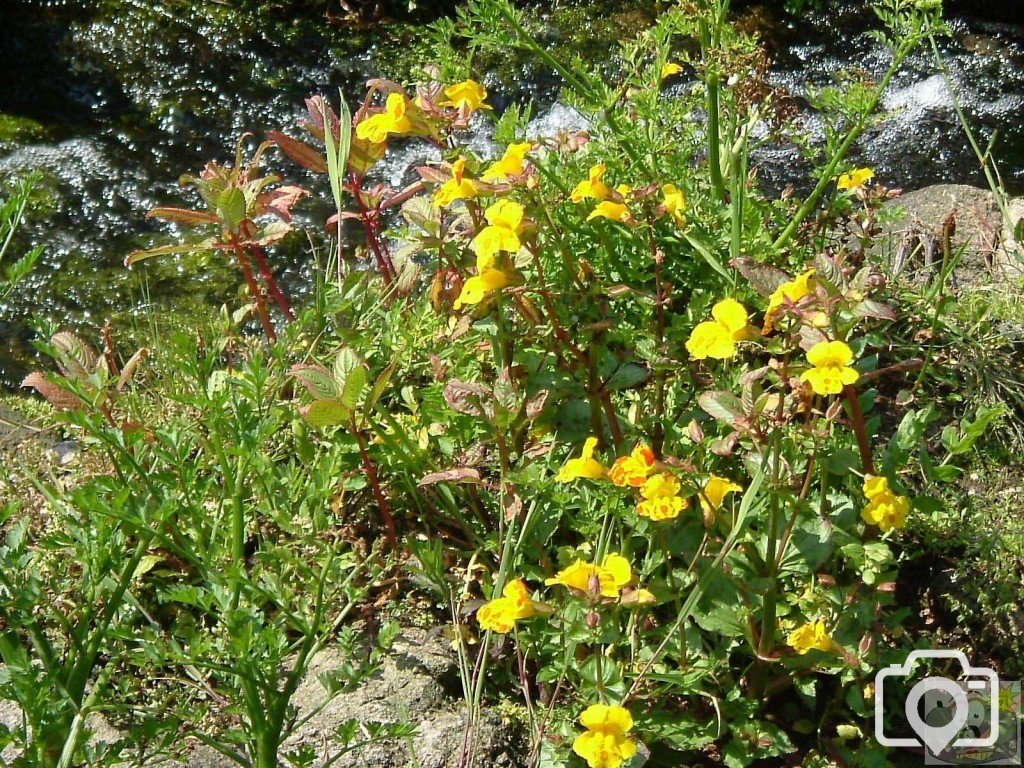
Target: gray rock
point(912, 245)
point(418, 684)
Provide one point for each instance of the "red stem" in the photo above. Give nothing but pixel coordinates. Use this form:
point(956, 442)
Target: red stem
point(371, 233)
point(271, 283)
point(859, 429)
point(371, 475)
point(254, 288)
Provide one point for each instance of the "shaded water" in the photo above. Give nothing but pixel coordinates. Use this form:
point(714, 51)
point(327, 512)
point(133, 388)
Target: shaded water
point(112, 107)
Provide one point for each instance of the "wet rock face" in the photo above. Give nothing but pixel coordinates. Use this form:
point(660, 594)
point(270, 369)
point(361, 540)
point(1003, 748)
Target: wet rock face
point(913, 244)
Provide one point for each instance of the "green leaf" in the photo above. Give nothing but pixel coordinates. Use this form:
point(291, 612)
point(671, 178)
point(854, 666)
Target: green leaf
point(325, 413)
point(705, 253)
point(354, 385)
point(346, 362)
point(208, 244)
point(626, 376)
point(719, 609)
point(380, 385)
point(146, 564)
point(337, 152)
point(231, 207)
point(317, 381)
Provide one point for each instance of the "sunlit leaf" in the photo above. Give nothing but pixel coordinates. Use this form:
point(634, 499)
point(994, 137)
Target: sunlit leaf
point(325, 413)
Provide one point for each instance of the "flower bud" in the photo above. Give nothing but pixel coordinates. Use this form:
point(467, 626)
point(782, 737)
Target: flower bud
point(593, 619)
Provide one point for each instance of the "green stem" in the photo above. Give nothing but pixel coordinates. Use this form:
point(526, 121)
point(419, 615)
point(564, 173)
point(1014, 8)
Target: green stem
point(828, 174)
point(714, 137)
point(238, 534)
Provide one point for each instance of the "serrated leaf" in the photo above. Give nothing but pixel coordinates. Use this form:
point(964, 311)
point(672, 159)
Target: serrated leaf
point(56, 395)
point(504, 393)
point(468, 398)
point(346, 361)
point(325, 413)
point(354, 385)
point(721, 405)
point(763, 278)
point(76, 358)
point(869, 308)
point(232, 207)
point(317, 380)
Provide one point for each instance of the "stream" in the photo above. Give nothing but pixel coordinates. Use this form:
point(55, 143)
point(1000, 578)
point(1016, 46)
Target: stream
point(112, 107)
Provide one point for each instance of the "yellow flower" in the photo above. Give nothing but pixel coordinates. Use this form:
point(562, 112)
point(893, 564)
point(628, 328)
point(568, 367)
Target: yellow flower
point(674, 203)
point(670, 69)
point(661, 499)
point(637, 597)
point(478, 286)
point(605, 744)
point(515, 603)
point(794, 290)
point(714, 493)
point(717, 338)
point(855, 181)
point(468, 95)
point(831, 369)
point(456, 188)
point(662, 507)
point(593, 187)
point(376, 128)
point(812, 636)
point(510, 164)
point(633, 470)
point(606, 579)
point(584, 466)
point(504, 219)
point(875, 485)
point(609, 210)
point(885, 509)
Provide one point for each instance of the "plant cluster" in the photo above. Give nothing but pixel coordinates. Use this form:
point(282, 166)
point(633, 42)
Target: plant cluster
point(639, 407)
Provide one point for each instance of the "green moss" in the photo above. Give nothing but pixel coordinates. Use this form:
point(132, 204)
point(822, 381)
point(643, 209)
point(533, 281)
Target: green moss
point(15, 130)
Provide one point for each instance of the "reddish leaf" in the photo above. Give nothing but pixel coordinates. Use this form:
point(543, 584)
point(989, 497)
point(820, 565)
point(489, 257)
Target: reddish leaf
point(184, 216)
point(468, 398)
point(724, 406)
point(299, 152)
point(457, 475)
point(281, 200)
point(57, 396)
point(763, 278)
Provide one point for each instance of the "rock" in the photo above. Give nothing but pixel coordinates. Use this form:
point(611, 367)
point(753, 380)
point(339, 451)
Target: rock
point(912, 244)
point(418, 683)
point(66, 451)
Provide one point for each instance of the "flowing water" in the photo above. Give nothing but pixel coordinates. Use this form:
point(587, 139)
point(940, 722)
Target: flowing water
point(111, 107)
